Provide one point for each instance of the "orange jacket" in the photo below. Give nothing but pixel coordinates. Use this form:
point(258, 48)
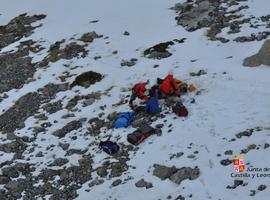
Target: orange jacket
point(169, 85)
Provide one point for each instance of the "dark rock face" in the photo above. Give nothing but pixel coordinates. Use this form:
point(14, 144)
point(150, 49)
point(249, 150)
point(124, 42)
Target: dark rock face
point(116, 182)
point(18, 28)
point(226, 162)
point(17, 146)
point(174, 174)
point(15, 69)
point(15, 116)
point(261, 58)
point(53, 107)
point(49, 91)
point(74, 101)
point(194, 15)
point(142, 183)
point(246, 133)
point(73, 125)
point(159, 51)
point(89, 37)
point(129, 63)
point(185, 173)
point(27, 106)
point(70, 51)
point(59, 162)
point(86, 79)
point(163, 172)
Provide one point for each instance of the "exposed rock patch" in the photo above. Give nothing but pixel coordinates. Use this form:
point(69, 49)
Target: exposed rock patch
point(18, 28)
point(142, 183)
point(86, 79)
point(129, 63)
point(261, 58)
point(16, 68)
point(71, 50)
point(159, 51)
point(71, 126)
point(174, 174)
point(216, 16)
point(89, 37)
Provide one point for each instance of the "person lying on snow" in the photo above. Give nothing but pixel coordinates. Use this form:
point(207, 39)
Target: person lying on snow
point(140, 90)
point(168, 86)
point(143, 92)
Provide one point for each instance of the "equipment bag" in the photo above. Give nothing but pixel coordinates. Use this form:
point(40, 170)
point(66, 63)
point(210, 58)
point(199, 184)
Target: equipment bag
point(180, 110)
point(109, 147)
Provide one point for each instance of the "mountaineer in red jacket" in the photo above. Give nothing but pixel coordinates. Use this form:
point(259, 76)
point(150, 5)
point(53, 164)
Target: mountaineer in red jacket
point(169, 86)
point(139, 91)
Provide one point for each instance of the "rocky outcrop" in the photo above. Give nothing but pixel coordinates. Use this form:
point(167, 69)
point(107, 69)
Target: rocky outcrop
point(18, 28)
point(159, 51)
point(16, 68)
point(15, 116)
point(176, 175)
point(86, 79)
point(71, 126)
point(261, 58)
point(216, 16)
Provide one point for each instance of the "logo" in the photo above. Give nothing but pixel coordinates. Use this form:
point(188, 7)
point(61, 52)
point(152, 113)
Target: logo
point(238, 163)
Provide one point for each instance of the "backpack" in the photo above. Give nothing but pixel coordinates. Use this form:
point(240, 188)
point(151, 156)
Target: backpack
point(140, 134)
point(180, 110)
point(109, 147)
point(124, 119)
point(152, 105)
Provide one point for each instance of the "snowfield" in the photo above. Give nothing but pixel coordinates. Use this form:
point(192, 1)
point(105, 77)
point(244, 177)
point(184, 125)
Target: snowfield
point(232, 99)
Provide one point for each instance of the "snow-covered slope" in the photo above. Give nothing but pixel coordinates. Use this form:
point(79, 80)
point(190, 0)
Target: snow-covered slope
point(232, 99)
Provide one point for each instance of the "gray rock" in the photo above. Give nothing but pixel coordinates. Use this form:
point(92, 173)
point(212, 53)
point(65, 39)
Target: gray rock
point(10, 172)
point(102, 171)
point(117, 169)
point(59, 162)
point(143, 183)
point(185, 173)
point(86, 79)
point(163, 171)
point(64, 146)
point(39, 154)
point(15, 116)
point(4, 180)
point(262, 187)
point(129, 63)
point(18, 28)
point(261, 58)
point(226, 162)
point(17, 146)
point(71, 126)
point(159, 51)
point(116, 182)
point(126, 33)
point(68, 115)
point(53, 107)
point(88, 102)
point(89, 37)
point(96, 182)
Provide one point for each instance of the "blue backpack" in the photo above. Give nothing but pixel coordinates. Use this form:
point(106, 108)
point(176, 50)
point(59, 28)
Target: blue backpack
point(109, 147)
point(124, 119)
point(152, 105)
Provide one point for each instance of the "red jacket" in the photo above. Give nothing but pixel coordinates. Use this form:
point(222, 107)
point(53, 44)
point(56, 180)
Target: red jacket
point(169, 85)
point(139, 89)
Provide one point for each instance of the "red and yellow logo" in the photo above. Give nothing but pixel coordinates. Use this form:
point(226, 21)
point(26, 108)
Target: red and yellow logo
point(238, 163)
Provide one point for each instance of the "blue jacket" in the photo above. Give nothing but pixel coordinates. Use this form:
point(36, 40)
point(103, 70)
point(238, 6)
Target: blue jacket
point(152, 105)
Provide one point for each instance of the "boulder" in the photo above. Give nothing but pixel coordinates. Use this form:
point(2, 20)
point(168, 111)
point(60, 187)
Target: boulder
point(163, 172)
point(185, 173)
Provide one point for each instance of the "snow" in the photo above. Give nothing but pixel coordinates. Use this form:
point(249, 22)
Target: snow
point(229, 103)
